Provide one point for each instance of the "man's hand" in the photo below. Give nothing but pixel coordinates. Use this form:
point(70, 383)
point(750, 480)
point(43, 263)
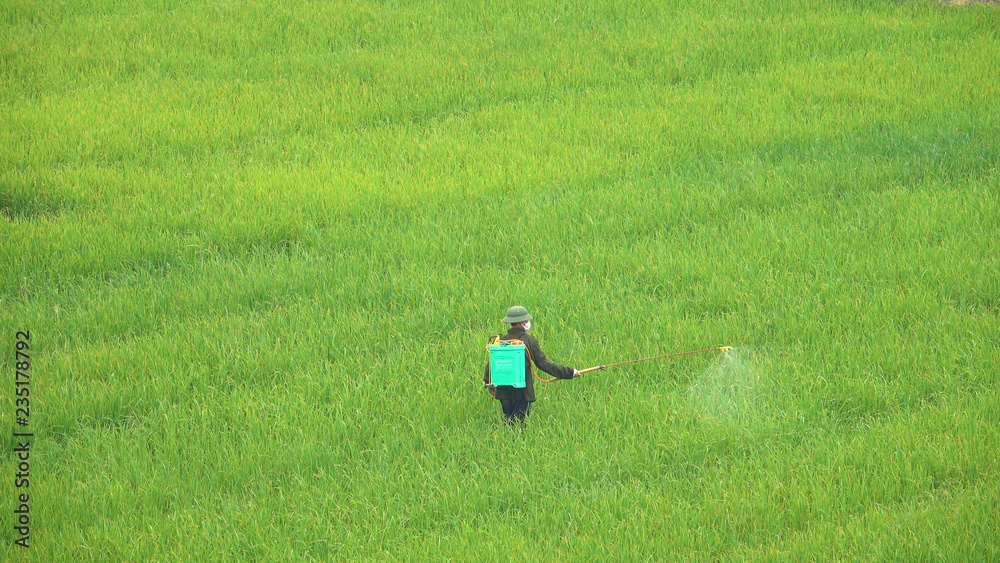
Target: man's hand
point(576, 373)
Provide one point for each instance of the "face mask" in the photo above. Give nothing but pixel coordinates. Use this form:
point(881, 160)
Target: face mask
point(527, 326)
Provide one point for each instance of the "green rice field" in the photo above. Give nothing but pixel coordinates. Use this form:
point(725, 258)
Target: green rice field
point(251, 254)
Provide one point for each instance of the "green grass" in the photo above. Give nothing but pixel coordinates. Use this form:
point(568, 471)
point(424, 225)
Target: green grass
point(260, 246)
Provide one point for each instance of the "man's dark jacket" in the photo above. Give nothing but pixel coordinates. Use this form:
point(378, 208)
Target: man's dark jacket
point(541, 362)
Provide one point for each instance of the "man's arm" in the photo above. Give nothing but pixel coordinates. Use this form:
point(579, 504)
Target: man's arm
point(543, 363)
point(486, 381)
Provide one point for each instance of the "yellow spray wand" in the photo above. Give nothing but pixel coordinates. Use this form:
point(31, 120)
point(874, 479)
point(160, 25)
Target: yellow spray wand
point(595, 368)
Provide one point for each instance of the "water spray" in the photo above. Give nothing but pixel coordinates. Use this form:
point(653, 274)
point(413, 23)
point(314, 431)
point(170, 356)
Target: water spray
point(596, 368)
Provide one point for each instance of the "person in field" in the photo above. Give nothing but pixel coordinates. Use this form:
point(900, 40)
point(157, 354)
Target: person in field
point(516, 402)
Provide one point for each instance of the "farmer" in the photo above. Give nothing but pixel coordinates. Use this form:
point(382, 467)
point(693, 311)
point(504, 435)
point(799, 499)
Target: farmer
point(516, 402)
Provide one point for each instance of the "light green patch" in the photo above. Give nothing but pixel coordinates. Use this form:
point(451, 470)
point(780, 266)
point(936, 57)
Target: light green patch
point(729, 389)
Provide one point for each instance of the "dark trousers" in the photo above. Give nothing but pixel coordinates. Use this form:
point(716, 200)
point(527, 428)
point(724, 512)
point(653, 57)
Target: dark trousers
point(514, 410)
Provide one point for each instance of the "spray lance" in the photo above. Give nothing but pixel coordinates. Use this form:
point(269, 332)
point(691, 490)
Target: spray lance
point(596, 368)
